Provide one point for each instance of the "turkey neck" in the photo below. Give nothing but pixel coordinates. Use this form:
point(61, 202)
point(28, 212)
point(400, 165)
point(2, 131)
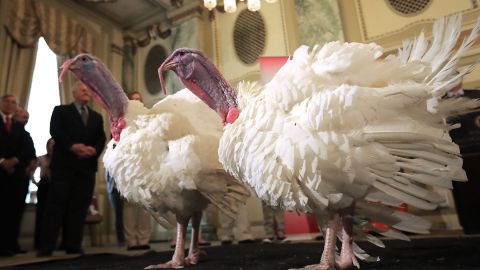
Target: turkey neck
point(211, 87)
point(107, 91)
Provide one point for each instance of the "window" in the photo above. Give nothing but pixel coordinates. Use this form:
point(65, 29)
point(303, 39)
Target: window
point(44, 96)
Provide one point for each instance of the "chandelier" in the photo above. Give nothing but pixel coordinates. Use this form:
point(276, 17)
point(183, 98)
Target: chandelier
point(230, 6)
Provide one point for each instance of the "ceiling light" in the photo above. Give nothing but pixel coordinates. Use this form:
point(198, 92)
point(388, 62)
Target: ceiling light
point(230, 6)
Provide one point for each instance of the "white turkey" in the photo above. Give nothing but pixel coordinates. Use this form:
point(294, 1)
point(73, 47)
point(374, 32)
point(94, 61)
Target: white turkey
point(164, 158)
point(341, 125)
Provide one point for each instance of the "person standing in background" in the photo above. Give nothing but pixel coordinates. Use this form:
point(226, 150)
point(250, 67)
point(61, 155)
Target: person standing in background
point(116, 202)
point(45, 176)
point(27, 168)
point(226, 232)
point(136, 220)
point(273, 223)
point(13, 163)
point(79, 141)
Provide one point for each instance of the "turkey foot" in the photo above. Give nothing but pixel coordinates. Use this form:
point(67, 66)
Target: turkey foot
point(178, 260)
point(195, 256)
point(172, 264)
point(320, 266)
point(327, 261)
point(347, 258)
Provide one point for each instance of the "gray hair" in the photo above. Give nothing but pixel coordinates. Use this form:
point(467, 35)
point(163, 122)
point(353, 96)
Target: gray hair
point(77, 85)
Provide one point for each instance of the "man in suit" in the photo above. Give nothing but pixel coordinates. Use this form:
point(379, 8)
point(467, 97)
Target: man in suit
point(15, 155)
point(136, 220)
point(28, 166)
point(79, 140)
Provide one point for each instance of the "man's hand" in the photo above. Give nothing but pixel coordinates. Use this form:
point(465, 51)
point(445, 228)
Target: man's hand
point(91, 151)
point(83, 151)
point(9, 165)
point(78, 149)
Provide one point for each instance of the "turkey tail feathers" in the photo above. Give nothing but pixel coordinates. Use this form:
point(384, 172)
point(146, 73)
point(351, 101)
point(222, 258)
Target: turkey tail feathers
point(442, 54)
point(446, 67)
point(399, 220)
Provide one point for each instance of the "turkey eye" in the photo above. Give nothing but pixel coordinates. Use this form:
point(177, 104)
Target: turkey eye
point(84, 59)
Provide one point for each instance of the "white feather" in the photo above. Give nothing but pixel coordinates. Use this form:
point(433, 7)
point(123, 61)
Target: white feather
point(338, 126)
point(167, 159)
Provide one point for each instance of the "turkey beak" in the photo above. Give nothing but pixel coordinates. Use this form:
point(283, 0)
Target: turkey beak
point(69, 64)
point(65, 67)
point(168, 64)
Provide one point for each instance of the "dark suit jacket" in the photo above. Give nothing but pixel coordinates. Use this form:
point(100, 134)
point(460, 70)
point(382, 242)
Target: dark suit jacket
point(66, 128)
point(13, 144)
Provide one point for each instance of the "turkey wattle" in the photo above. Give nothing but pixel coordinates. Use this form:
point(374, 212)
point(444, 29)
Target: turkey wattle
point(341, 125)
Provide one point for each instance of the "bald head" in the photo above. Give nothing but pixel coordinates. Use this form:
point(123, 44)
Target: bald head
point(81, 93)
point(135, 95)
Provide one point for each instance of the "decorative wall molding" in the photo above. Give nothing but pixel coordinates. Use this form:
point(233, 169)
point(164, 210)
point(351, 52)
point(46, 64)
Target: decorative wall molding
point(408, 8)
point(151, 33)
point(114, 48)
point(413, 25)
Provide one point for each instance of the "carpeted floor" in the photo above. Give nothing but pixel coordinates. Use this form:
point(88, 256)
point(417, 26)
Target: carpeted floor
point(429, 253)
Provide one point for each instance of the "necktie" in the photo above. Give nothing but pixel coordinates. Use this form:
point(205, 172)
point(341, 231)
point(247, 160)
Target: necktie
point(84, 115)
point(8, 123)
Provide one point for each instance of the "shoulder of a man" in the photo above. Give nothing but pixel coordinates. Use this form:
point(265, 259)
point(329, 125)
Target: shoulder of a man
point(61, 107)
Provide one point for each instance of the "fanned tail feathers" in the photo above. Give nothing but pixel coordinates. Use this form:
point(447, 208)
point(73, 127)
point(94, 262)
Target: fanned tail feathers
point(402, 221)
point(396, 221)
point(386, 125)
point(442, 53)
point(425, 153)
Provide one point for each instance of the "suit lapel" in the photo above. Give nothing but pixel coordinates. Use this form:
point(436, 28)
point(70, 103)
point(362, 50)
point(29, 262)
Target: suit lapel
point(2, 127)
point(76, 115)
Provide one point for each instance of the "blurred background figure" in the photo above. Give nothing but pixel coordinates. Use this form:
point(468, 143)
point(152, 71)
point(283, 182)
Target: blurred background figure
point(116, 201)
point(135, 95)
point(136, 220)
point(466, 194)
point(27, 168)
point(273, 223)
point(42, 184)
point(235, 229)
point(16, 155)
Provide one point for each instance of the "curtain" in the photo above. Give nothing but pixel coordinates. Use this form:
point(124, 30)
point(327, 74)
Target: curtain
point(30, 19)
point(65, 87)
point(16, 69)
point(26, 21)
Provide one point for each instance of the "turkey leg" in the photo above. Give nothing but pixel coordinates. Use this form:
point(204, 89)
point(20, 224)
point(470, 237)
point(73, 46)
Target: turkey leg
point(178, 259)
point(327, 262)
point(347, 258)
point(194, 252)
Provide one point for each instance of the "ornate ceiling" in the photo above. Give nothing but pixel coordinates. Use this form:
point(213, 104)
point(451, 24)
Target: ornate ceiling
point(135, 15)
